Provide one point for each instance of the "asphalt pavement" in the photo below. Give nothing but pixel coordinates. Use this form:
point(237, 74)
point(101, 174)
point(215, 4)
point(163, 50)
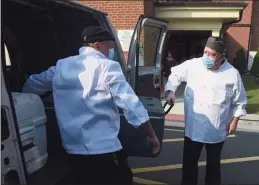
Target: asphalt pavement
point(240, 161)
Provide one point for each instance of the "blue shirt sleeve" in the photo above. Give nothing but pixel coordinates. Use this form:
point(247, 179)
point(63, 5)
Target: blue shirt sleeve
point(40, 83)
point(124, 96)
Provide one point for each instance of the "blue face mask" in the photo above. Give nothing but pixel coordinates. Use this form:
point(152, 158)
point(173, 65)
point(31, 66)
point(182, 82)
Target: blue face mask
point(208, 62)
point(111, 54)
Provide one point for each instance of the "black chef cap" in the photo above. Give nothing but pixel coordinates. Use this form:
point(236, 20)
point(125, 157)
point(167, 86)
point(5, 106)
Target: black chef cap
point(216, 44)
point(93, 34)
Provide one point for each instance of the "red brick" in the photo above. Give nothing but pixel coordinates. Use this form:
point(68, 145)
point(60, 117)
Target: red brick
point(235, 38)
point(239, 36)
point(122, 14)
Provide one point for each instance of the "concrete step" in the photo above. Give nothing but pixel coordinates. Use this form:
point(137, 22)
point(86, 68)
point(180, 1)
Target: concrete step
point(242, 125)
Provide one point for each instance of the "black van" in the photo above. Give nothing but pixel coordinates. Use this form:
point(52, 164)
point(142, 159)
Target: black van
point(35, 34)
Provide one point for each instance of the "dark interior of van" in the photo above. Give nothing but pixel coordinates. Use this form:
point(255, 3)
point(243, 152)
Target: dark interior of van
point(36, 36)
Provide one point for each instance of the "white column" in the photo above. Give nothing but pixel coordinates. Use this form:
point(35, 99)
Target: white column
point(215, 33)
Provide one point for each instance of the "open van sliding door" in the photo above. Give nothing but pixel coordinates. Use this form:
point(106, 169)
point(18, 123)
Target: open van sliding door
point(144, 75)
point(13, 169)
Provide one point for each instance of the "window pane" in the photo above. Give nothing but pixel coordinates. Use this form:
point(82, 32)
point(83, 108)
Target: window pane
point(149, 38)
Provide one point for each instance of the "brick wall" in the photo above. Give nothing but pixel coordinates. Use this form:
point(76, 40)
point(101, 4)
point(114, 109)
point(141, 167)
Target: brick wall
point(123, 14)
point(255, 27)
point(239, 36)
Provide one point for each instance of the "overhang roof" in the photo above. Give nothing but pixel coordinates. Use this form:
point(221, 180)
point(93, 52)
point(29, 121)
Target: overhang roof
point(192, 3)
point(212, 10)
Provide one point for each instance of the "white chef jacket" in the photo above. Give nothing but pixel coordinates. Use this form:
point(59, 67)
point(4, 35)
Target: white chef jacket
point(87, 89)
point(212, 99)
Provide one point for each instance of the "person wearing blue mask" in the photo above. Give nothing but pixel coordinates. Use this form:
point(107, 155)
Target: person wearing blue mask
point(87, 89)
point(214, 100)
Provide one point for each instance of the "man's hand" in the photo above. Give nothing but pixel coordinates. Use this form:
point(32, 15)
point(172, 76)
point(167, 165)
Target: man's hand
point(151, 137)
point(154, 142)
point(170, 99)
point(232, 126)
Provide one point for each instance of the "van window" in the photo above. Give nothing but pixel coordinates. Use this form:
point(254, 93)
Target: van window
point(148, 45)
point(7, 57)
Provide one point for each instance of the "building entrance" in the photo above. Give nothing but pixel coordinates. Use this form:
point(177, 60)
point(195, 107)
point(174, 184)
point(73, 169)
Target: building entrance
point(185, 45)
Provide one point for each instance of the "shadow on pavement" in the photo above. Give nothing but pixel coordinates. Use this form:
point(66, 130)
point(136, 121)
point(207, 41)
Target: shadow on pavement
point(240, 160)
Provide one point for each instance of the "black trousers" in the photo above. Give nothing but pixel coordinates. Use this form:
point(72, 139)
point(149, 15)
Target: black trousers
point(191, 154)
point(110, 168)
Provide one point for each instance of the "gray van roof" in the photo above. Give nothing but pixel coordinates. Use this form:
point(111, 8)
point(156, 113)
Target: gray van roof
point(78, 5)
point(70, 3)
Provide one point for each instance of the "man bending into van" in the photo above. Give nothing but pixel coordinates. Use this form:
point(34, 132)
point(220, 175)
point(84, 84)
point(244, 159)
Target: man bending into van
point(86, 89)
